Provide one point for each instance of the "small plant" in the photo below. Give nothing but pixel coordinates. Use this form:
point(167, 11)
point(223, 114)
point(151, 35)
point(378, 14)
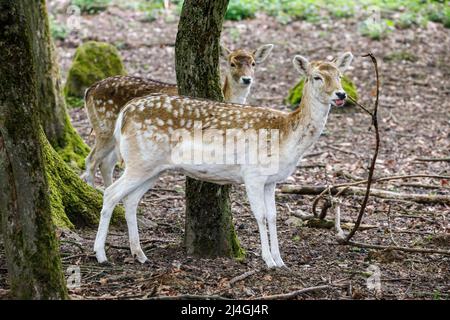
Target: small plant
point(303, 10)
point(376, 30)
point(341, 8)
point(58, 30)
point(91, 6)
point(152, 9)
point(437, 11)
point(241, 9)
point(406, 20)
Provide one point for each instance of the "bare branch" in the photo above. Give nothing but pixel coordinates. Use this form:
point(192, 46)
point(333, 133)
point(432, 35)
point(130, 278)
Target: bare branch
point(293, 294)
point(405, 249)
point(360, 191)
point(374, 158)
point(433, 159)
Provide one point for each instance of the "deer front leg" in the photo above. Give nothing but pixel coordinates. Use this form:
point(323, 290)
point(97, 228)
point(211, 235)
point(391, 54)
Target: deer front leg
point(269, 192)
point(255, 193)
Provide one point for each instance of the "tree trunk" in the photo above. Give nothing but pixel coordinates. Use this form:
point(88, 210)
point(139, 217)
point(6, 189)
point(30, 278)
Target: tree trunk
point(73, 202)
point(209, 230)
point(31, 247)
point(52, 109)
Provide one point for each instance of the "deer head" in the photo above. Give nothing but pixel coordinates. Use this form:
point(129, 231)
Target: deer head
point(241, 70)
point(323, 78)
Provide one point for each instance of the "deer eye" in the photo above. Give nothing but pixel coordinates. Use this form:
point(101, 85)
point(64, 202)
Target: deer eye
point(233, 65)
point(253, 64)
point(317, 78)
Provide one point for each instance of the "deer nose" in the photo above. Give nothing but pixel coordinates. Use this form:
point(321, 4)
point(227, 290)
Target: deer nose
point(246, 80)
point(341, 95)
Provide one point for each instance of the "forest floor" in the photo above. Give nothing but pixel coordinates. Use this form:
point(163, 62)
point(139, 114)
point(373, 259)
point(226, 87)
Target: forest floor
point(414, 122)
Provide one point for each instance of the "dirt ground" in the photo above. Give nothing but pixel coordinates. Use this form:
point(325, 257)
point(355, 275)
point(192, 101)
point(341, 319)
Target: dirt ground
point(414, 123)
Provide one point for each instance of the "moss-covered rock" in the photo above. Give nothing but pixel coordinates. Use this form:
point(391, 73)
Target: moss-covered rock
point(295, 94)
point(93, 62)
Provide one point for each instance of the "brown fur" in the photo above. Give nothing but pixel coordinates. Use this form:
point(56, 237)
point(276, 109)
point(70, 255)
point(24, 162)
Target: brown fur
point(161, 111)
point(243, 61)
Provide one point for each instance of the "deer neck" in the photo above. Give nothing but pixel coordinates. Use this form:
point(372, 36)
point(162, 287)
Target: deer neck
point(305, 125)
point(234, 93)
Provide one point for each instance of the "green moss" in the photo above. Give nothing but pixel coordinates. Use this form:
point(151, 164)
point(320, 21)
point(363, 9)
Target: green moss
point(91, 6)
point(75, 150)
point(73, 202)
point(75, 102)
point(236, 250)
point(295, 94)
point(93, 61)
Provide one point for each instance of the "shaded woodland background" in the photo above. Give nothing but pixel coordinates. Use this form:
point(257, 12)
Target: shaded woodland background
point(411, 40)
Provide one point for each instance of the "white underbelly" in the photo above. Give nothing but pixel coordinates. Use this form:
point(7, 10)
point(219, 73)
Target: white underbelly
point(220, 174)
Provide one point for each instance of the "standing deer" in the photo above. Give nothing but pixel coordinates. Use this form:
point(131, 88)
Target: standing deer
point(144, 135)
point(105, 99)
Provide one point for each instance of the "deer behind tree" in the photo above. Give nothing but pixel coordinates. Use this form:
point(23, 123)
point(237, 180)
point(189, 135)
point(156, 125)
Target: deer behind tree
point(105, 99)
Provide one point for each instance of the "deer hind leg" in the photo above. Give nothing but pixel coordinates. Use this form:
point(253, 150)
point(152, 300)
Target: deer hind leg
point(89, 174)
point(271, 215)
point(255, 193)
point(107, 168)
point(116, 192)
point(101, 150)
point(130, 203)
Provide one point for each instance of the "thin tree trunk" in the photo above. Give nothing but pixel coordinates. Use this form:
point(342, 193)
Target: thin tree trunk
point(52, 109)
point(31, 247)
point(209, 230)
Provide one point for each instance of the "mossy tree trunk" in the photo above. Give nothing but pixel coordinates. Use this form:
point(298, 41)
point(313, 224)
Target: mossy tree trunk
point(73, 203)
point(209, 230)
point(31, 247)
point(52, 109)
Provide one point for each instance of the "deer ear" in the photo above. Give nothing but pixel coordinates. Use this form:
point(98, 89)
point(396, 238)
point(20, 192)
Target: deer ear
point(262, 53)
point(224, 52)
point(344, 61)
point(301, 64)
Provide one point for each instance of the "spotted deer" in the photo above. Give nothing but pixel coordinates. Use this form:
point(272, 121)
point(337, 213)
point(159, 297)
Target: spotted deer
point(148, 131)
point(105, 99)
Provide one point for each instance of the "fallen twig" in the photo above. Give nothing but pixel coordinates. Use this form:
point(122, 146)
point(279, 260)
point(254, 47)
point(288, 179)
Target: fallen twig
point(293, 294)
point(424, 186)
point(433, 159)
point(188, 297)
point(347, 190)
point(398, 248)
point(242, 276)
point(344, 151)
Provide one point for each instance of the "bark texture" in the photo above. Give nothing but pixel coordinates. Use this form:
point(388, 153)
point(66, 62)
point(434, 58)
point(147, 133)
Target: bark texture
point(31, 247)
point(52, 109)
point(209, 230)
